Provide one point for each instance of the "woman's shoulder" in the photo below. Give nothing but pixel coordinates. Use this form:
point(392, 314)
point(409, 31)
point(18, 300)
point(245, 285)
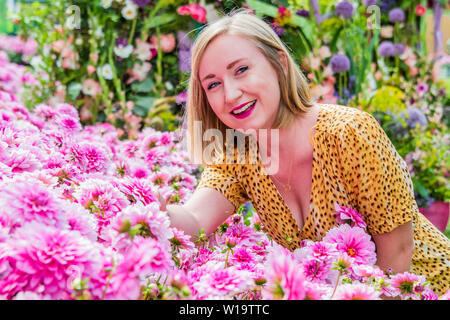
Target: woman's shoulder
point(340, 119)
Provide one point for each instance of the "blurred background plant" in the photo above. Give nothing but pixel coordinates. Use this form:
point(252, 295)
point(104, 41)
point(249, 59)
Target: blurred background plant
point(127, 62)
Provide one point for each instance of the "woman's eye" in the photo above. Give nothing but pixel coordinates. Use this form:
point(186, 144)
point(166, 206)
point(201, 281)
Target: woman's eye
point(241, 68)
point(245, 68)
point(210, 86)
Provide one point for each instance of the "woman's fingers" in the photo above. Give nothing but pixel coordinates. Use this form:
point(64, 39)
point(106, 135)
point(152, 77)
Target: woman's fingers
point(162, 201)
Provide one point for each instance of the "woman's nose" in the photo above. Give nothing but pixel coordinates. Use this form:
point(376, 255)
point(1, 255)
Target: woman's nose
point(232, 92)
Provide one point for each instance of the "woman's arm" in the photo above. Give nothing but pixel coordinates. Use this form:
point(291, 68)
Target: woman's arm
point(206, 209)
point(395, 248)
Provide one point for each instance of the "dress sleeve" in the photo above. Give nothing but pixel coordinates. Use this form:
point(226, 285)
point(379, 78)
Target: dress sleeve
point(377, 175)
point(221, 178)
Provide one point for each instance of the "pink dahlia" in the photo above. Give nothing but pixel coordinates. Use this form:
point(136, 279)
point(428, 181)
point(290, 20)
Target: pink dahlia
point(349, 215)
point(69, 124)
point(353, 242)
point(356, 291)
point(145, 258)
point(101, 198)
point(316, 291)
point(144, 221)
point(316, 270)
point(220, 283)
point(20, 160)
point(89, 157)
point(138, 190)
point(25, 202)
point(46, 260)
point(405, 282)
point(283, 279)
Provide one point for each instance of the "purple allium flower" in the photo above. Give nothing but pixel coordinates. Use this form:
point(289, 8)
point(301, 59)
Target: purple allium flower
point(386, 5)
point(344, 9)
point(368, 3)
point(399, 48)
point(121, 42)
point(386, 49)
point(184, 42)
point(302, 13)
point(340, 63)
point(142, 3)
point(396, 15)
point(184, 60)
point(414, 117)
point(278, 30)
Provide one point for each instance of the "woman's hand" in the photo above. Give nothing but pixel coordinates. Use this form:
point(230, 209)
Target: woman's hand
point(162, 201)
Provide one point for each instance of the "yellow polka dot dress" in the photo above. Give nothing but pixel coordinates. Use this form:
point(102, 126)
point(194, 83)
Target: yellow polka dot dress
point(354, 164)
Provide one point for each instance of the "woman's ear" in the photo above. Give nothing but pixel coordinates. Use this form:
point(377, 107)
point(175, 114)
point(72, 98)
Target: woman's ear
point(284, 61)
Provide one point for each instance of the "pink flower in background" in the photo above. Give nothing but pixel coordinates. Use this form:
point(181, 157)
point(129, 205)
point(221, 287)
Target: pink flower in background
point(422, 88)
point(91, 87)
point(143, 50)
point(197, 12)
point(324, 52)
point(139, 72)
point(354, 242)
point(167, 42)
point(356, 291)
point(349, 215)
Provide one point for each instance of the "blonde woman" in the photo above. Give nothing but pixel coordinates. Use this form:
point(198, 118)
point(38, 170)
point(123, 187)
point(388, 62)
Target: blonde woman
point(244, 79)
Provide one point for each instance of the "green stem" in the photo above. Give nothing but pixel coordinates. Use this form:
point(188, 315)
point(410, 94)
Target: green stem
point(116, 80)
point(159, 61)
point(340, 85)
point(226, 259)
point(337, 283)
point(133, 28)
point(146, 24)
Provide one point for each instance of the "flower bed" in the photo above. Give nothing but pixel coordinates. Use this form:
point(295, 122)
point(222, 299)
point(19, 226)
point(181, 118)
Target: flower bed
point(80, 219)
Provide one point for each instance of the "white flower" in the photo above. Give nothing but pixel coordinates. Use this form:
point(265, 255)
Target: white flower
point(106, 71)
point(123, 51)
point(129, 11)
point(99, 32)
point(106, 3)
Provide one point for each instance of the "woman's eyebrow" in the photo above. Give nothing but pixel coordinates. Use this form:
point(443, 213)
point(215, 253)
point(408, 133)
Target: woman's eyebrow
point(228, 68)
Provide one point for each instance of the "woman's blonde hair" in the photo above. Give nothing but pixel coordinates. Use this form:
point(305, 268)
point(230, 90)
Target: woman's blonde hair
point(295, 98)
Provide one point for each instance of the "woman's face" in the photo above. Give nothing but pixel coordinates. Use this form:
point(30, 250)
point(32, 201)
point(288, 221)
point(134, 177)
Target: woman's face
point(233, 72)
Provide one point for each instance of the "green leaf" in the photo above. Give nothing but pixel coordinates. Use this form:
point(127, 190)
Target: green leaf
point(142, 104)
point(161, 20)
point(144, 86)
point(74, 90)
point(421, 189)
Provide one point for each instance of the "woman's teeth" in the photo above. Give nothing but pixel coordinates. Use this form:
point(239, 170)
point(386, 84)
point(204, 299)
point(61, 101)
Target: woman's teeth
point(243, 108)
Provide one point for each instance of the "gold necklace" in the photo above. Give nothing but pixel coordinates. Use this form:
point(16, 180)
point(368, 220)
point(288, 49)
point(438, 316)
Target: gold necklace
point(287, 186)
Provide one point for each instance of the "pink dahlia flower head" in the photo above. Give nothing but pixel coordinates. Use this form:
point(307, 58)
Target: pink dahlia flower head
point(219, 283)
point(356, 291)
point(349, 215)
point(145, 258)
point(25, 202)
point(283, 272)
point(90, 157)
point(138, 190)
point(353, 242)
point(48, 260)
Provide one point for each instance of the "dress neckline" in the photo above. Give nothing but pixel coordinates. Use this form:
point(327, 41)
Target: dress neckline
point(272, 184)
